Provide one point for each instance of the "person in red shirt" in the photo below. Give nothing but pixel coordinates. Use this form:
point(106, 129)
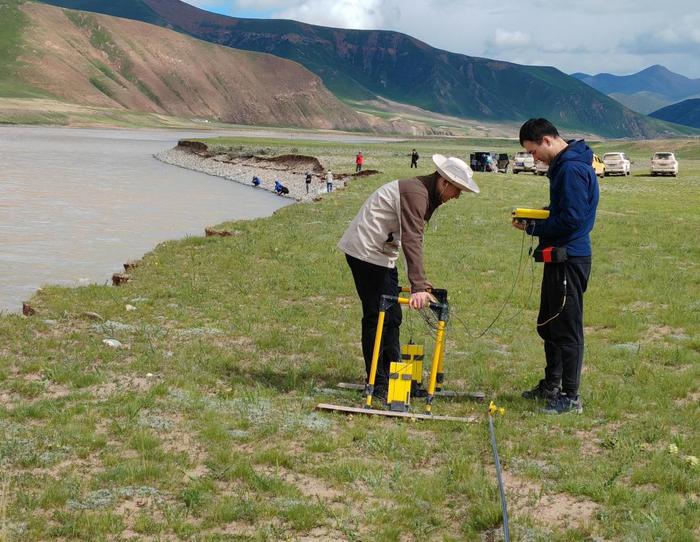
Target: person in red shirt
point(359, 160)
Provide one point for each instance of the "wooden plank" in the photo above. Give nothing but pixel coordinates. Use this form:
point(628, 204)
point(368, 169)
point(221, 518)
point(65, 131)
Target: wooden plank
point(476, 395)
point(390, 414)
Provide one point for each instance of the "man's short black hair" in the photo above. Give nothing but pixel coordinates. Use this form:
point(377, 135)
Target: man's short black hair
point(535, 129)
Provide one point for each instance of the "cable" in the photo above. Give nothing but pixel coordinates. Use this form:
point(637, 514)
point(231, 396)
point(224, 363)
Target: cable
point(563, 302)
point(508, 297)
point(501, 490)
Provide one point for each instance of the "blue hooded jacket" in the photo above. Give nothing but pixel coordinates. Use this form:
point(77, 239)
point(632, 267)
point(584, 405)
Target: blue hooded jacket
point(573, 199)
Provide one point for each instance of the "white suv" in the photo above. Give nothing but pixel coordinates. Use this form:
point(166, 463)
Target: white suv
point(616, 163)
point(523, 161)
point(541, 168)
point(664, 163)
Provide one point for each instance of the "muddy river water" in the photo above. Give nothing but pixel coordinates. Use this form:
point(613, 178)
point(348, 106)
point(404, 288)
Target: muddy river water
point(77, 203)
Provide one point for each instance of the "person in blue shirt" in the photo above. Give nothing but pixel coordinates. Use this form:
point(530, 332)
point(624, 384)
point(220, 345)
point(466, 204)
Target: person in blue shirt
point(256, 180)
point(573, 200)
point(280, 189)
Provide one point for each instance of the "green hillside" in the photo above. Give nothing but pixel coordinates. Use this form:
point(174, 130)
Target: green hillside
point(128, 9)
point(12, 24)
point(686, 112)
point(359, 64)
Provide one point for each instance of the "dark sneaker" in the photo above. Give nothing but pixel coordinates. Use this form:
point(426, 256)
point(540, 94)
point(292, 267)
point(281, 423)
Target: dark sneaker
point(541, 392)
point(563, 404)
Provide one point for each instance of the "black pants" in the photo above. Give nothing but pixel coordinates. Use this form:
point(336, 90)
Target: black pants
point(358, 167)
point(414, 164)
point(563, 335)
point(371, 282)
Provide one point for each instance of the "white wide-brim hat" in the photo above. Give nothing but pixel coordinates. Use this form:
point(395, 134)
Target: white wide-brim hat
point(456, 171)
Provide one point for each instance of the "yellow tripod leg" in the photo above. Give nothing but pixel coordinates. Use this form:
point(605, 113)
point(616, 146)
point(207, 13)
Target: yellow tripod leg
point(441, 371)
point(375, 359)
point(437, 354)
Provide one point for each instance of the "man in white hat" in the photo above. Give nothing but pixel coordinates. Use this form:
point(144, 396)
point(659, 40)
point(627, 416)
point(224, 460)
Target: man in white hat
point(394, 217)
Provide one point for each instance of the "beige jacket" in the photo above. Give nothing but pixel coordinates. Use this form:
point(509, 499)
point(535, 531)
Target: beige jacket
point(394, 218)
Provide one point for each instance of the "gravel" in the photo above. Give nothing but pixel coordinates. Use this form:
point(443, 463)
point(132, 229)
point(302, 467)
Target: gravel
point(244, 174)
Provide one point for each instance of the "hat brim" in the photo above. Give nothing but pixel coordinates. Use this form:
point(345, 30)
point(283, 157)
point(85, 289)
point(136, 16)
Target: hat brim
point(464, 184)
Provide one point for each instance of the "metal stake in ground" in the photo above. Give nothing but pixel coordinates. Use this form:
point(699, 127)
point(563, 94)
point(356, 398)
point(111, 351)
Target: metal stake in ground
point(493, 409)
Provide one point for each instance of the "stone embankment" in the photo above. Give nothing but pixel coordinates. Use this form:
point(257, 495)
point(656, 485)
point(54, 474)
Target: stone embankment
point(290, 170)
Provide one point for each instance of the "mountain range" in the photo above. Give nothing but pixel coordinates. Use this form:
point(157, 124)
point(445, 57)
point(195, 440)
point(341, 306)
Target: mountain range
point(686, 112)
point(644, 91)
point(120, 64)
point(363, 65)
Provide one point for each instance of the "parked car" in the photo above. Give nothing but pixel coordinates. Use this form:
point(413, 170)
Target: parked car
point(541, 168)
point(664, 163)
point(598, 166)
point(616, 163)
point(502, 163)
point(483, 161)
point(523, 161)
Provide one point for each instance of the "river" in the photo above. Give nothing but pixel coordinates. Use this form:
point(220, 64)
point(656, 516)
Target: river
point(75, 204)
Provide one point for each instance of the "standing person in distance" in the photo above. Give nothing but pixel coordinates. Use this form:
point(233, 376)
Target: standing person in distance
point(414, 159)
point(308, 181)
point(329, 181)
point(392, 218)
point(359, 160)
point(573, 200)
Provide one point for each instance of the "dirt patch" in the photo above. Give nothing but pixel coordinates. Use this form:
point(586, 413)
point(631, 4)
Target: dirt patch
point(308, 485)
point(123, 383)
point(590, 443)
point(295, 162)
point(657, 332)
point(690, 399)
point(558, 510)
point(321, 534)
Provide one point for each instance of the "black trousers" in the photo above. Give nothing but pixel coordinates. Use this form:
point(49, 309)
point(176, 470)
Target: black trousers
point(371, 282)
point(414, 164)
point(563, 334)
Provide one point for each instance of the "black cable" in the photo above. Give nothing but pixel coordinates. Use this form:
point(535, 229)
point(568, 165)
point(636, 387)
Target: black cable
point(563, 303)
point(507, 299)
point(501, 490)
point(532, 283)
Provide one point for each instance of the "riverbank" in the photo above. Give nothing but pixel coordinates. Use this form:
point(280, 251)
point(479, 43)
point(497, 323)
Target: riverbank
point(200, 424)
point(290, 169)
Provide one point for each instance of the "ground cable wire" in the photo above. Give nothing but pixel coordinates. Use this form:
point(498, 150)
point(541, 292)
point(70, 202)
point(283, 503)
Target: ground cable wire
point(504, 507)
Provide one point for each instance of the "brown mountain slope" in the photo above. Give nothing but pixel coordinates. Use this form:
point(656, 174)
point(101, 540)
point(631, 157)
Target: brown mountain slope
point(110, 62)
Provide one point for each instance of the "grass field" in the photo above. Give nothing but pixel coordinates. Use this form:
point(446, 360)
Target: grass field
point(202, 425)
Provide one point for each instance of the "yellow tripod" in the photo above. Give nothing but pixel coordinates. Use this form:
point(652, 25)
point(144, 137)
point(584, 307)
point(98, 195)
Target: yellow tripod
point(442, 312)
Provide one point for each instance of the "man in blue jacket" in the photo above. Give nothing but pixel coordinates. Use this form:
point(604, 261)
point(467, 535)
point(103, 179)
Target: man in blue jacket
point(573, 199)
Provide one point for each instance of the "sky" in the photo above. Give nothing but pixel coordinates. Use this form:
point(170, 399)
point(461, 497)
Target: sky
point(611, 36)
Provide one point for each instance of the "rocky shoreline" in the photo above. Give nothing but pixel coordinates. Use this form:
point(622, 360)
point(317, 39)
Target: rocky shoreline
point(289, 170)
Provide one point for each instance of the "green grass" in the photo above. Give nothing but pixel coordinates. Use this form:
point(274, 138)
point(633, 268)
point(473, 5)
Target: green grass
point(13, 24)
point(243, 335)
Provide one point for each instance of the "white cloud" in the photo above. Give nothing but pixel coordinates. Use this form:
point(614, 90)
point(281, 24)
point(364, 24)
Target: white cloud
point(365, 14)
point(505, 39)
point(592, 36)
point(681, 37)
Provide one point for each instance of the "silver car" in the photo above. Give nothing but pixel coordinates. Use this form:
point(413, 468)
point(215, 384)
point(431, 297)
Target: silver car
point(616, 163)
point(523, 161)
point(664, 163)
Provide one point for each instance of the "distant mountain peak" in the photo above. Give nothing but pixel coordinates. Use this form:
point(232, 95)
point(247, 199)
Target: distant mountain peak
point(656, 79)
point(657, 69)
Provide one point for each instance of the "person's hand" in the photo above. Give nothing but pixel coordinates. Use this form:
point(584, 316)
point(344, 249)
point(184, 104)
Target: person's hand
point(519, 224)
point(420, 300)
